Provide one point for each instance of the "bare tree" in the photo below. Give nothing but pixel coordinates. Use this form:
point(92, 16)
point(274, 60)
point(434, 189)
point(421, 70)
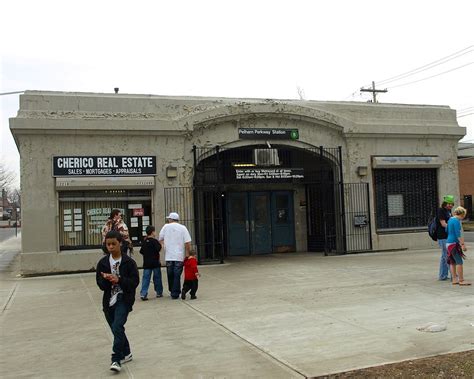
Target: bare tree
point(14, 197)
point(6, 177)
point(301, 94)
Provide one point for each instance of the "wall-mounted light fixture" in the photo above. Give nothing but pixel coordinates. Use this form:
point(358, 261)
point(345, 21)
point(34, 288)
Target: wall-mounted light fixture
point(362, 170)
point(171, 172)
point(243, 164)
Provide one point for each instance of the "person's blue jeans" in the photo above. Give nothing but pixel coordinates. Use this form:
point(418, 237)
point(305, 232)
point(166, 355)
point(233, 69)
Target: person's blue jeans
point(174, 269)
point(443, 262)
point(116, 317)
point(156, 281)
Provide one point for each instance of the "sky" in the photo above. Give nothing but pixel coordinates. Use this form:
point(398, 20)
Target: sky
point(321, 50)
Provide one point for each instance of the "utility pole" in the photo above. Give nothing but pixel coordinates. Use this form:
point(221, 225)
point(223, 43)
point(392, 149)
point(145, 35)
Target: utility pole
point(374, 91)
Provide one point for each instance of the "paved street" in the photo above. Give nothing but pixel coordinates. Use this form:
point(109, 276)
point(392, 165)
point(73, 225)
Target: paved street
point(8, 248)
point(469, 236)
point(6, 233)
point(273, 316)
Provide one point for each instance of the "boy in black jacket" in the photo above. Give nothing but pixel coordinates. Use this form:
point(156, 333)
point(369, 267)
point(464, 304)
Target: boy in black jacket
point(117, 276)
point(151, 264)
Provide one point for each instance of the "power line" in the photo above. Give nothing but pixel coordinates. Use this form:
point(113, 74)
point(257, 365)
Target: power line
point(421, 69)
point(10, 93)
point(425, 67)
point(464, 115)
point(432, 76)
point(464, 109)
point(351, 96)
point(435, 63)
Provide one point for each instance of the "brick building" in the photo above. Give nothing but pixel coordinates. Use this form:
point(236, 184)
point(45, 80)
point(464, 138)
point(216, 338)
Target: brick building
point(466, 176)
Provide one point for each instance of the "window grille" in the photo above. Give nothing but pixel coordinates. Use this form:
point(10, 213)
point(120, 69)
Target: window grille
point(404, 198)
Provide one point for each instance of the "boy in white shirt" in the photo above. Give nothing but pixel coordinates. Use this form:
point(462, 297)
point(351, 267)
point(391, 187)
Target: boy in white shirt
point(117, 276)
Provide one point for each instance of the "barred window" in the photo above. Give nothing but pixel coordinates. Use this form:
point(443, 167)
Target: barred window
point(404, 198)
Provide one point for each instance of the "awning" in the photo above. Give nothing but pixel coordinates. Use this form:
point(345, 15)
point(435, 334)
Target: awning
point(407, 162)
point(84, 183)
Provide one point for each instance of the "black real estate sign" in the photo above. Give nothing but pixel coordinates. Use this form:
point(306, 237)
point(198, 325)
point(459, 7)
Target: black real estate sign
point(265, 133)
point(104, 165)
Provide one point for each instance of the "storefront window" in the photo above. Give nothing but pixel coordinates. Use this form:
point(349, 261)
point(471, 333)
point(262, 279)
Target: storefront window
point(71, 223)
point(96, 215)
point(83, 214)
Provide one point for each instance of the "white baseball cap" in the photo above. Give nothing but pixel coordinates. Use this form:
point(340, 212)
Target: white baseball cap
point(173, 216)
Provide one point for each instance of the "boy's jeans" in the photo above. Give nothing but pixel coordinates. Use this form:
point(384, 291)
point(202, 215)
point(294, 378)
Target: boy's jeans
point(116, 317)
point(156, 281)
point(174, 269)
point(443, 263)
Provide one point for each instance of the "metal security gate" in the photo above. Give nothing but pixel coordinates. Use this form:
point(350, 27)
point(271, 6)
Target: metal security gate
point(200, 210)
point(357, 218)
point(321, 217)
point(347, 227)
point(337, 213)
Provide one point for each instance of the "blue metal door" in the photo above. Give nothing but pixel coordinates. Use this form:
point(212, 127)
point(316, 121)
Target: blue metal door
point(283, 224)
point(238, 224)
point(260, 223)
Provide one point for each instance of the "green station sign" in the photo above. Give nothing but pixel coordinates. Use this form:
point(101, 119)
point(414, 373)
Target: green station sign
point(269, 133)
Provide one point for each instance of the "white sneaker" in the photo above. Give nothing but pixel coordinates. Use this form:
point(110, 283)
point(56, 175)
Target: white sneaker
point(115, 366)
point(126, 359)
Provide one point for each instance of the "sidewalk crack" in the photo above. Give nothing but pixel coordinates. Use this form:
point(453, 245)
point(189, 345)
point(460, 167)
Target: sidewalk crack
point(9, 300)
point(258, 348)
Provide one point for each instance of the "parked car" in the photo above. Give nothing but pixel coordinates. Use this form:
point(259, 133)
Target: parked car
point(7, 213)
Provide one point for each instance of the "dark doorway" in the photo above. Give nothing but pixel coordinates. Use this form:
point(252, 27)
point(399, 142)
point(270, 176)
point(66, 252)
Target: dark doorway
point(260, 222)
point(252, 169)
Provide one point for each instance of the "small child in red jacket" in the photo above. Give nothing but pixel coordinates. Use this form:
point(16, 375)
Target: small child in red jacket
point(191, 275)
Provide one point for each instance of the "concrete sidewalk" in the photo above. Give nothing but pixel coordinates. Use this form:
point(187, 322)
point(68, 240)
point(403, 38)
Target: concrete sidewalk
point(275, 316)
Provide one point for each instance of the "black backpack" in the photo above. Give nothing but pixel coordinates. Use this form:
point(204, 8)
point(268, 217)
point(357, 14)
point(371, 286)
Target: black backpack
point(433, 228)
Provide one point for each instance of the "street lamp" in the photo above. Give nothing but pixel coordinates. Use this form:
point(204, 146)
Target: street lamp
point(16, 221)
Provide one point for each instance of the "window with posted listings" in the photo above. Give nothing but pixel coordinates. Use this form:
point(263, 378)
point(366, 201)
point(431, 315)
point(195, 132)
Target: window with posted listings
point(82, 215)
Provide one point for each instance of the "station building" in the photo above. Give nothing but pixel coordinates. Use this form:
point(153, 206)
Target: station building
point(247, 176)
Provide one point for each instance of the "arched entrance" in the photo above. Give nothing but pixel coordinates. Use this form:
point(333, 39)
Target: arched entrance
point(258, 199)
point(269, 199)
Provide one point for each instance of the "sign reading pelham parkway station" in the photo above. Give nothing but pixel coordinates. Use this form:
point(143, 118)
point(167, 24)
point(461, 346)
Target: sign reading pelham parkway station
point(104, 166)
point(265, 133)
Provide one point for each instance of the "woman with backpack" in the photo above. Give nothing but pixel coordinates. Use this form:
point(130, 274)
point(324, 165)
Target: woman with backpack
point(442, 217)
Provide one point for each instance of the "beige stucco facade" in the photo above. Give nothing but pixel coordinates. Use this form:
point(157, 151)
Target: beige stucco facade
point(52, 124)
